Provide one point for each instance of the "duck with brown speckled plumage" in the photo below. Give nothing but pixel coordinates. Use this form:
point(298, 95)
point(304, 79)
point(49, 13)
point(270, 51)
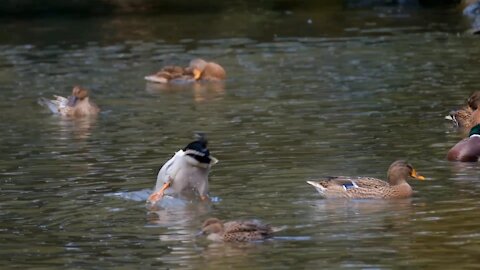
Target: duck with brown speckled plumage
point(236, 230)
point(77, 105)
point(369, 187)
point(197, 70)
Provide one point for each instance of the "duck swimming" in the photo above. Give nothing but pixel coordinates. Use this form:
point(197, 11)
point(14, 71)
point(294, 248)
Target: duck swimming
point(236, 231)
point(197, 70)
point(462, 118)
point(185, 172)
point(76, 105)
point(369, 187)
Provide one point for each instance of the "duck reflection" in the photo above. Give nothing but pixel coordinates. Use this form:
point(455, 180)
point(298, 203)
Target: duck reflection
point(363, 207)
point(175, 214)
point(465, 174)
point(80, 128)
point(235, 254)
point(201, 92)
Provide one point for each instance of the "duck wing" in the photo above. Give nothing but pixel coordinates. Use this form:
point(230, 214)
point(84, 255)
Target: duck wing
point(166, 74)
point(370, 182)
point(249, 230)
point(173, 70)
point(348, 187)
point(57, 105)
point(347, 182)
point(246, 226)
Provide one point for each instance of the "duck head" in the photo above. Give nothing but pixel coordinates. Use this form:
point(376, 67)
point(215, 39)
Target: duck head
point(400, 171)
point(474, 100)
point(78, 93)
point(198, 150)
point(212, 228)
point(208, 71)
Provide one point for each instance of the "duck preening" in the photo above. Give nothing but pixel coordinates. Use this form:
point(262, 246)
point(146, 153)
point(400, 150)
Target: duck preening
point(185, 172)
point(396, 186)
point(463, 117)
point(197, 70)
point(76, 105)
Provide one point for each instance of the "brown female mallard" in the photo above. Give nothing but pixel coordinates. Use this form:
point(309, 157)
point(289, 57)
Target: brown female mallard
point(197, 70)
point(462, 118)
point(76, 105)
point(235, 231)
point(368, 187)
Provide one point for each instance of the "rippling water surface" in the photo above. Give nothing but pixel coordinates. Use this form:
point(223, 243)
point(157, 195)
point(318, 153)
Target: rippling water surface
point(308, 95)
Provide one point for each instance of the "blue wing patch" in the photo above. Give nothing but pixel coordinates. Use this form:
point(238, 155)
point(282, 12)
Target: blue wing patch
point(349, 185)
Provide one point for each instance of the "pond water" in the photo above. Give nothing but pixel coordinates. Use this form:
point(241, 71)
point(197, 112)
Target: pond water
point(309, 94)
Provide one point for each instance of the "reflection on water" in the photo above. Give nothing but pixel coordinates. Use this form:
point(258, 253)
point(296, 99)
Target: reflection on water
point(201, 91)
point(81, 128)
point(302, 101)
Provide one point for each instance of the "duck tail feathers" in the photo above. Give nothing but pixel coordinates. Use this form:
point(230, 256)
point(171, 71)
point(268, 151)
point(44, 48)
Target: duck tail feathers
point(321, 189)
point(49, 104)
point(278, 229)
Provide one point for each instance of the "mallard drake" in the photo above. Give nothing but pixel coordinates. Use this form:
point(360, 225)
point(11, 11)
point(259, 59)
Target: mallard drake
point(462, 118)
point(76, 105)
point(235, 231)
point(468, 149)
point(197, 70)
point(185, 172)
point(369, 187)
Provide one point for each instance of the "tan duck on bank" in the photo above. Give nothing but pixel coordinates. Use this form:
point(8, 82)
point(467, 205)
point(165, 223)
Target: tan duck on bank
point(197, 70)
point(368, 187)
point(462, 118)
point(236, 231)
point(76, 105)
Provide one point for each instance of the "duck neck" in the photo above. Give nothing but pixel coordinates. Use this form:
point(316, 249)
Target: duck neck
point(216, 237)
point(475, 131)
point(80, 101)
point(395, 180)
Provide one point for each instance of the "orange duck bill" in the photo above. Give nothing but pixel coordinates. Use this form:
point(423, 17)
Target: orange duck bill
point(415, 175)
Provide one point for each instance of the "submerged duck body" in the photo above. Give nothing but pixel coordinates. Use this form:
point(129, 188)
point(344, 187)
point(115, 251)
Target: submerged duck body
point(468, 149)
point(186, 172)
point(236, 231)
point(76, 105)
point(197, 70)
point(369, 187)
